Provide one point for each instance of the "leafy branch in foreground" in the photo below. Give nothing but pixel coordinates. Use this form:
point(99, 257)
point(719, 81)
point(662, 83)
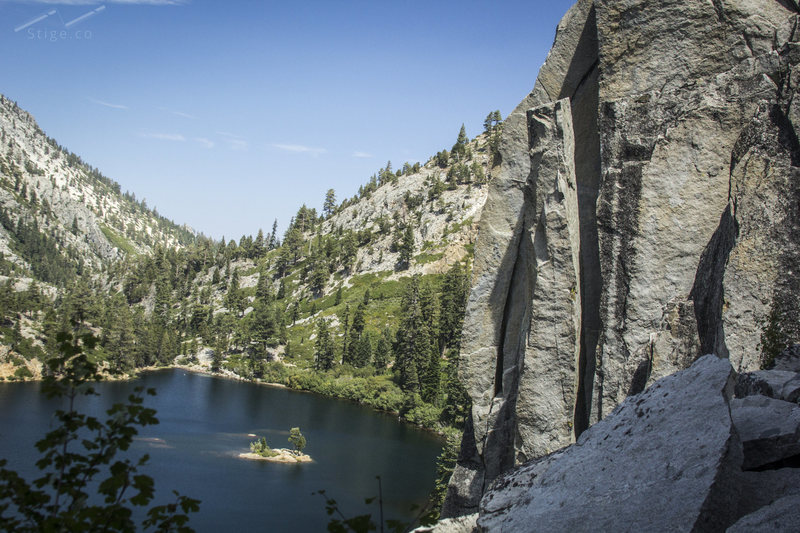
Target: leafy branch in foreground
point(87, 489)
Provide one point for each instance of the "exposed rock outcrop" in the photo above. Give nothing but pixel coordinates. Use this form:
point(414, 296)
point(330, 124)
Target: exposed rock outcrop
point(671, 450)
point(778, 384)
point(783, 515)
point(675, 457)
point(769, 430)
point(676, 122)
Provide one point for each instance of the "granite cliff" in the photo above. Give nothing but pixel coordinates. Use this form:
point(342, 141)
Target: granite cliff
point(646, 212)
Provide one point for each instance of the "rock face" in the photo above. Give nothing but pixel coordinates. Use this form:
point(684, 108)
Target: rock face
point(676, 457)
point(647, 211)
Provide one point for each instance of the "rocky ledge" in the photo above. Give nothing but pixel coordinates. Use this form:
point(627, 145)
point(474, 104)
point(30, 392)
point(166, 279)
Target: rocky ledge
point(684, 455)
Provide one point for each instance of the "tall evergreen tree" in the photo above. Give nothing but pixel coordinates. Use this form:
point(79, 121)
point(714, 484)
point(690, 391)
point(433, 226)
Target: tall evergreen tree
point(259, 245)
point(407, 246)
point(323, 348)
point(329, 207)
point(234, 300)
point(273, 236)
point(460, 147)
point(432, 377)
point(363, 352)
point(383, 350)
point(119, 334)
point(412, 347)
point(346, 341)
point(455, 289)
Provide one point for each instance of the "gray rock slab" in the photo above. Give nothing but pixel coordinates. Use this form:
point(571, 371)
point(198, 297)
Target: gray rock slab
point(664, 460)
point(791, 390)
point(789, 359)
point(458, 524)
point(781, 516)
point(768, 428)
point(758, 489)
point(764, 382)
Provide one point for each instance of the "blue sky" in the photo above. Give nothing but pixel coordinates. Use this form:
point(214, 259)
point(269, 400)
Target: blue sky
point(227, 115)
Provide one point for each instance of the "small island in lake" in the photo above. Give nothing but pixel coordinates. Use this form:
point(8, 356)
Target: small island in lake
point(260, 450)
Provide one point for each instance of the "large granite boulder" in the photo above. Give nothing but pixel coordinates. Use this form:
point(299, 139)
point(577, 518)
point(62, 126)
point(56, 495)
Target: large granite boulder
point(769, 430)
point(769, 383)
point(783, 516)
point(646, 211)
point(664, 460)
point(681, 456)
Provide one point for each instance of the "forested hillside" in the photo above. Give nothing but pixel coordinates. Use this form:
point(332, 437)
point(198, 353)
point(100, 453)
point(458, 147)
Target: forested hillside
point(363, 299)
point(62, 225)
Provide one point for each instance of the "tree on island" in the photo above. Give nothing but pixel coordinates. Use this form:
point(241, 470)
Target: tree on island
point(260, 447)
point(297, 440)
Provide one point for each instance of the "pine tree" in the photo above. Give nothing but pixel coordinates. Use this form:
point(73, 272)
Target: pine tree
point(220, 346)
point(407, 247)
point(293, 242)
point(460, 147)
point(163, 300)
point(412, 346)
point(319, 275)
point(329, 207)
point(455, 288)
point(462, 136)
point(259, 245)
point(273, 236)
point(494, 138)
point(120, 336)
point(359, 320)
point(432, 378)
point(492, 120)
point(363, 352)
point(349, 250)
point(383, 350)
point(264, 288)
point(345, 320)
point(233, 300)
point(478, 176)
point(282, 290)
point(323, 348)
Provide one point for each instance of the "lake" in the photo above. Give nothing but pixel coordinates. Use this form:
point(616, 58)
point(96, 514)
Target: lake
point(204, 425)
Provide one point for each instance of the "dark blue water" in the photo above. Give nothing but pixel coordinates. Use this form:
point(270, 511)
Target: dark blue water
point(204, 425)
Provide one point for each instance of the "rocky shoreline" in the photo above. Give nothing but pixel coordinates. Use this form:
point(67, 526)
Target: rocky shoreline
point(282, 456)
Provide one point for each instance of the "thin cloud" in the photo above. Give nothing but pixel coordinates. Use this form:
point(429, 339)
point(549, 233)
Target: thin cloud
point(238, 144)
point(234, 142)
point(96, 2)
point(164, 136)
point(208, 143)
point(178, 113)
point(108, 104)
point(299, 149)
point(361, 155)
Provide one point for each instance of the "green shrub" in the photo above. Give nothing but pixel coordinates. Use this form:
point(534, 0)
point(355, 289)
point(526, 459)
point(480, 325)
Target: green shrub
point(22, 372)
point(260, 447)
